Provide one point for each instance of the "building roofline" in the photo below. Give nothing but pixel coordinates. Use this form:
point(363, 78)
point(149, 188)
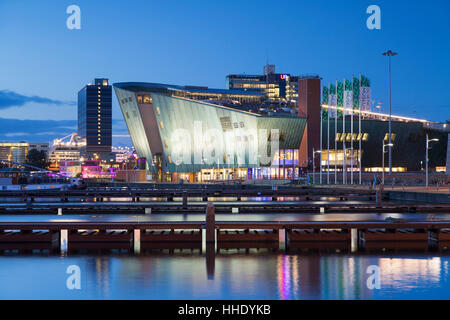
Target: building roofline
point(158, 87)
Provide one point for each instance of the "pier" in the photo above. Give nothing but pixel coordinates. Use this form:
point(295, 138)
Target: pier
point(137, 232)
point(231, 200)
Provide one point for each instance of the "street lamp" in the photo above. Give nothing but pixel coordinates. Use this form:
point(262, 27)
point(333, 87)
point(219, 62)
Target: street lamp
point(390, 54)
point(384, 151)
point(426, 157)
point(314, 164)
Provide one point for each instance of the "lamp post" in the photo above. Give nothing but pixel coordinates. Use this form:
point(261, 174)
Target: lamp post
point(314, 164)
point(390, 54)
point(382, 161)
point(426, 157)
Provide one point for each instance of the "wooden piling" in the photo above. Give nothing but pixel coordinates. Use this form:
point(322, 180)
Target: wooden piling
point(185, 200)
point(210, 223)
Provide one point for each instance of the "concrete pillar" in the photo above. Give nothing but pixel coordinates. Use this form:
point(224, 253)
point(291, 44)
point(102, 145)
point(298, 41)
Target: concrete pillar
point(64, 241)
point(137, 241)
point(283, 240)
point(354, 240)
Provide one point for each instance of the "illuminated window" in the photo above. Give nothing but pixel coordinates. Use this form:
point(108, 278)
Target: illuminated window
point(386, 137)
point(139, 99)
point(161, 124)
point(365, 137)
point(147, 99)
point(348, 137)
point(158, 111)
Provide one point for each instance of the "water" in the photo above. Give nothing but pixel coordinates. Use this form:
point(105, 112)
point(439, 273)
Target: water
point(228, 276)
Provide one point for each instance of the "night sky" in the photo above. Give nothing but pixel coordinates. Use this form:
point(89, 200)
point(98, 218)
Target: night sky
point(43, 64)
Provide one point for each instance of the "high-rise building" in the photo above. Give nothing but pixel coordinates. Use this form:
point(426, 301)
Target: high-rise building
point(95, 118)
point(277, 87)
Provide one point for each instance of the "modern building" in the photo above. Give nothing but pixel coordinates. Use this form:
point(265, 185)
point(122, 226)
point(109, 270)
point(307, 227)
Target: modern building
point(95, 118)
point(200, 134)
point(276, 87)
point(18, 151)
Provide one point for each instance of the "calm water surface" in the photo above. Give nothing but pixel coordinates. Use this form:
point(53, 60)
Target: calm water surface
point(226, 276)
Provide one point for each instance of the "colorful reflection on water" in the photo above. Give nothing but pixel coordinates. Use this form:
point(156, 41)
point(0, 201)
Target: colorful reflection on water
point(232, 276)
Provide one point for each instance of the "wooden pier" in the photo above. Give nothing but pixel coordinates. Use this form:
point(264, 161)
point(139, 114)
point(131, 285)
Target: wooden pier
point(134, 234)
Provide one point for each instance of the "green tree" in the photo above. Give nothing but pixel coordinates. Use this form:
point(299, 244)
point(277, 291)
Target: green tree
point(37, 158)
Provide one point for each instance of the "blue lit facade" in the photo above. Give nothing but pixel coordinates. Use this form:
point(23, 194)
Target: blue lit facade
point(95, 117)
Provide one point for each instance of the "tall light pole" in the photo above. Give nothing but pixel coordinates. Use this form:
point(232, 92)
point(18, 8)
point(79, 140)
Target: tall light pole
point(390, 54)
point(382, 161)
point(426, 157)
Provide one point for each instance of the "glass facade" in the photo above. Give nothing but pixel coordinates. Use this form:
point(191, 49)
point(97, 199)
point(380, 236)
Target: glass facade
point(95, 116)
point(184, 135)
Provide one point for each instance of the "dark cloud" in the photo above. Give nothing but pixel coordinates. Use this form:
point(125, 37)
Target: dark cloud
point(10, 99)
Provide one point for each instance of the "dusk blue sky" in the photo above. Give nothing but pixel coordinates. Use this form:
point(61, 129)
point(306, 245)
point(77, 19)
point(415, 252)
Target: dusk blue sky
point(43, 64)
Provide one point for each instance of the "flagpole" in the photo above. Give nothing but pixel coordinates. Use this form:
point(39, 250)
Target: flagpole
point(321, 148)
point(360, 139)
point(359, 156)
point(335, 145)
point(328, 146)
point(344, 169)
point(351, 143)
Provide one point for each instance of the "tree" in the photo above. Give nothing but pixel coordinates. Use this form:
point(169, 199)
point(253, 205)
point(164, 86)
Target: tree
point(37, 158)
